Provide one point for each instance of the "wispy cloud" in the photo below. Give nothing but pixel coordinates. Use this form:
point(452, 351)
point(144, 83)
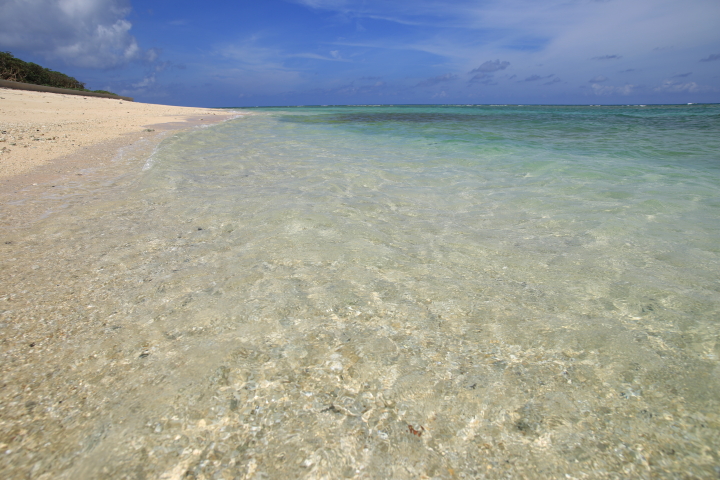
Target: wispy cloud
point(553, 81)
point(609, 90)
point(145, 82)
point(326, 4)
point(557, 30)
point(152, 55)
point(483, 78)
point(491, 66)
point(256, 68)
point(535, 78)
point(333, 57)
point(431, 82)
point(598, 79)
point(484, 74)
point(711, 58)
point(249, 52)
point(350, 89)
point(691, 87)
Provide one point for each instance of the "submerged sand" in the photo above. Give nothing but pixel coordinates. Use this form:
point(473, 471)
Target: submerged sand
point(58, 152)
point(216, 318)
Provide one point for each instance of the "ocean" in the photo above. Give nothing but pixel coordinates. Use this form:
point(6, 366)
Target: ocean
point(378, 292)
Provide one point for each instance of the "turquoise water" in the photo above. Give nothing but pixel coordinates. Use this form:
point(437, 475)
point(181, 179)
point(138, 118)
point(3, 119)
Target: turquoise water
point(385, 292)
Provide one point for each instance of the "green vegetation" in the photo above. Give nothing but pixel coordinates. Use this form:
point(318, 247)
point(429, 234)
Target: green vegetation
point(14, 69)
point(17, 70)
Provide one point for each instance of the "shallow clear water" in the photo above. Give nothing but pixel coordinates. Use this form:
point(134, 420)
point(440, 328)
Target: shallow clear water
point(380, 292)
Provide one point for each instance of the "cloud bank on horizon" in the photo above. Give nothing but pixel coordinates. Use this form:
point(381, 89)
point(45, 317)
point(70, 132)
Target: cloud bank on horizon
point(286, 52)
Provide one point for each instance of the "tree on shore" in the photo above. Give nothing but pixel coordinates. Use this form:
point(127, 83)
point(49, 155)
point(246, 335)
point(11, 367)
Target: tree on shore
point(16, 70)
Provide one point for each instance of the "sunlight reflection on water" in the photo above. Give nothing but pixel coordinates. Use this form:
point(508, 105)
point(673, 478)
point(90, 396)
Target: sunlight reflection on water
point(276, 298)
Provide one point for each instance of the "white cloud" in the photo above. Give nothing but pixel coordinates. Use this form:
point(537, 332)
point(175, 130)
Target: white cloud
point(152, 54)
point(85, 33)
point(145, 82)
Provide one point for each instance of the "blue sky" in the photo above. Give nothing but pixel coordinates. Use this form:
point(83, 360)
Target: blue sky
point(309, 52)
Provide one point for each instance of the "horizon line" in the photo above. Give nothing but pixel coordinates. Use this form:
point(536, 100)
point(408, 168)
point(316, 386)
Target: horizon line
point(481, 105)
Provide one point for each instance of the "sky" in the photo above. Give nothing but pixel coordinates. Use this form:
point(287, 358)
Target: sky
point(318, 52)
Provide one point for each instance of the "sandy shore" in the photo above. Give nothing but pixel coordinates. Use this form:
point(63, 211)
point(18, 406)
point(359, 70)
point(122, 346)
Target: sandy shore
point(38, 128)
point(50, 140)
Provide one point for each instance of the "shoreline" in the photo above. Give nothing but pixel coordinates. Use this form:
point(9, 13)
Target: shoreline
point(50, 143)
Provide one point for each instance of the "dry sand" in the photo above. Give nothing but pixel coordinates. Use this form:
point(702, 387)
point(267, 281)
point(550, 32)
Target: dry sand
point(37, 128)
